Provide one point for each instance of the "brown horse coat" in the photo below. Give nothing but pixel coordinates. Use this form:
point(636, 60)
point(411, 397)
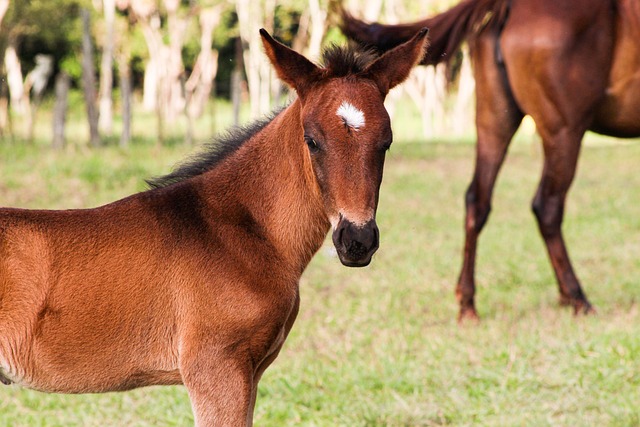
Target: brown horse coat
point(195, 282)
point(572, 65)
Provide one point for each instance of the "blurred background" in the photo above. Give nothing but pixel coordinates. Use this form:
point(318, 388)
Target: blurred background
point(117, 72)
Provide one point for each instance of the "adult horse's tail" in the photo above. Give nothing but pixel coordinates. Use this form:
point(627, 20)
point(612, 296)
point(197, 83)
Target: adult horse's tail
point(446, 30)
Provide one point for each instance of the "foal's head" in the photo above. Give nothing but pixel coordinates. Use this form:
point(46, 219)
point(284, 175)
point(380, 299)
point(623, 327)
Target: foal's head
point(347, 132)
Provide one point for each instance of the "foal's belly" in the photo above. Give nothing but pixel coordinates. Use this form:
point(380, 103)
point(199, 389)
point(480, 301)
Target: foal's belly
point(85, 378)
point(67, 355)
point(76, 371)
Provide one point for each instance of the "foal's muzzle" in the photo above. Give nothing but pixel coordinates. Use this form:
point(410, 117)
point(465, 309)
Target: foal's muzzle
point(356, 244)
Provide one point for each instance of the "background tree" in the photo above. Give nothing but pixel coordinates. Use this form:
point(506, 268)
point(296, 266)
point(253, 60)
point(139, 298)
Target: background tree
point(34, 85)
point(89, 79)
point(27, 32)
point(123, 53)
point(164, 71)
point(200, 83)
point(63, 83)
point(4, 6)
point(253, 15)
point(106, 66)
point(4, 102)
point(176, 53)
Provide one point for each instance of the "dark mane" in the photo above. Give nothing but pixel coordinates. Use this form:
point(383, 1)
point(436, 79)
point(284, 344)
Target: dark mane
point(340, 61)
point(212, 152)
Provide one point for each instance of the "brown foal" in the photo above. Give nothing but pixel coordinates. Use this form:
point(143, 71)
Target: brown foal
point(195, 281)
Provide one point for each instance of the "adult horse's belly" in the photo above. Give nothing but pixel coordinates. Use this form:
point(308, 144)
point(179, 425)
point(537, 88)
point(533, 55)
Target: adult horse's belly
point(619, 112)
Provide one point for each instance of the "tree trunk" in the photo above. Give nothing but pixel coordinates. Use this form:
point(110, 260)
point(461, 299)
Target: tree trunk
point(63, 82)
point(269, 85)
point(89, 79)
point(301, 39)
point(148, 19)
point(236, 81)
point(251, 16)
point(462, 117)
point(106, 68)
point(164, 73)
point(198, 86)
point(318, 28)
point(368, 9)
point(5, 117)
point(4, 5)
point(14, 77)
point(174, 98)
point(4, 101)
point(126, 95)
point(150, 26)
point(34, 85)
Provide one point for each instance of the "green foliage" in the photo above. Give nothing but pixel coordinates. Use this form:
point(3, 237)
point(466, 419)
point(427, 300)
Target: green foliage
point(72, 66)
point(53, 27)
point(227, 29)
point(286, 22)
point(42, 26)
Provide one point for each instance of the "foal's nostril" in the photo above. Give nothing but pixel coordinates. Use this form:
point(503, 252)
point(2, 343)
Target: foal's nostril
point(338, 237)
point(357, 250)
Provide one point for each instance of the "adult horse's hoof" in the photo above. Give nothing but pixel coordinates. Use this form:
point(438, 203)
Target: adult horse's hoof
point(468, 315)
point(583, 308)
point(566, 301)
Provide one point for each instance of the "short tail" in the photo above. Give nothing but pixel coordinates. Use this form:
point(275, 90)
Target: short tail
point(446, 30)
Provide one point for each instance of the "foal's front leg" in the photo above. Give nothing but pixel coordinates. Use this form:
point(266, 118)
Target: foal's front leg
point(220, 388)
point(270, 357)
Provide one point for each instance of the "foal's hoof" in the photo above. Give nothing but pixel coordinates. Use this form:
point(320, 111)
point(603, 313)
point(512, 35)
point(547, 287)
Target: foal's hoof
point(468, 315)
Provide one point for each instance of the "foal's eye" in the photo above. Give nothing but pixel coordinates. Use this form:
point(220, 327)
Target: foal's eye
point(312, 144)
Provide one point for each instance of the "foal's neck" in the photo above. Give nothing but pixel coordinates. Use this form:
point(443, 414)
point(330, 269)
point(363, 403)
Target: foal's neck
point(275, 183)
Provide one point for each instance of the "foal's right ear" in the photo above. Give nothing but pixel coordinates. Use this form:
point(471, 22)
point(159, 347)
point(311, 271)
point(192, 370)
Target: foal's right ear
point(291, 67)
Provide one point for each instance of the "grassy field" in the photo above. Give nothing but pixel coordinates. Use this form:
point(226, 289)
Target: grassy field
point(380, 346)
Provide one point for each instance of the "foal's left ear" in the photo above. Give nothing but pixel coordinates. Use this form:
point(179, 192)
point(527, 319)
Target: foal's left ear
point(394, 66)
point(292, 68)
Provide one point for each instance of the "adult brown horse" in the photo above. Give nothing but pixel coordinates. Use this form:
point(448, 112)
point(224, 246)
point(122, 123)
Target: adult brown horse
point(195, 282)
point(572, 65)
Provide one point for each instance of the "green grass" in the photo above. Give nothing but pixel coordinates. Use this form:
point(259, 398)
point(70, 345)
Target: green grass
point(380, 346)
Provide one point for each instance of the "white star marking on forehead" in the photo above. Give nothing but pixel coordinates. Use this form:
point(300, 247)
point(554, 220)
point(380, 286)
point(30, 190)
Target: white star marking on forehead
point(350, 115)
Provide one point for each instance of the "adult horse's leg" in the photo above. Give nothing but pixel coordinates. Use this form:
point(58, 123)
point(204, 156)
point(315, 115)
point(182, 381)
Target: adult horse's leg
point(561, 157)
point(497, 119)
point(559, 74)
